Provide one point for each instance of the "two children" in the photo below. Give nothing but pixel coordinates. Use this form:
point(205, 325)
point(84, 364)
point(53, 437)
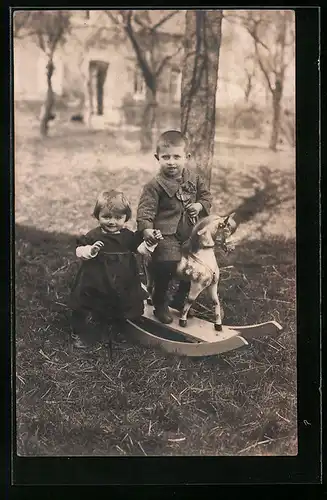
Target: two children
point(108, 282)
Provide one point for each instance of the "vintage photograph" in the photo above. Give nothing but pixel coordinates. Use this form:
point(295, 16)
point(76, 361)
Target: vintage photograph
point(155, 232)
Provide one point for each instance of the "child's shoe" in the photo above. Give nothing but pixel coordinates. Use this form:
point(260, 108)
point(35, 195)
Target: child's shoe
point(78, 342)
point(162, 313)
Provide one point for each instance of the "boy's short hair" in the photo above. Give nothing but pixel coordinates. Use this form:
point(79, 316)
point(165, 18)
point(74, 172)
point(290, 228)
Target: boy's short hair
point(114, 201)
point(171, 138)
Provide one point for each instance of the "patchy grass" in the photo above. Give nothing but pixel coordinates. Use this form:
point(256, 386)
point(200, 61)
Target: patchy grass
point(57, 179)
point(144, 402)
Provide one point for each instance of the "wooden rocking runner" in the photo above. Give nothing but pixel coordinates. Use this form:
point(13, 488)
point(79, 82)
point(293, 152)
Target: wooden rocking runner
point(199, 338)
point(195, 336)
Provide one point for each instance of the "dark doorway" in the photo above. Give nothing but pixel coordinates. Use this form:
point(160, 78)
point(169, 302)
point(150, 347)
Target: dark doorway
point(97, 77)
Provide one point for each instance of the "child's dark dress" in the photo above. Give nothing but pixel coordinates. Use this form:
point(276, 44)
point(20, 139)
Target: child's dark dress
point(109, 284)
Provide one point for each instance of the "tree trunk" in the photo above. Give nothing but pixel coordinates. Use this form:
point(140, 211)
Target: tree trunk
point(276, 98)
point(148, 120)
point(47, 108)
point(287, 127)
point(199, 85)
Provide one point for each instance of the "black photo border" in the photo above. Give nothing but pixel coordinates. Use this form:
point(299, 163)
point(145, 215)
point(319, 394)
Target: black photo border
point(303, 469)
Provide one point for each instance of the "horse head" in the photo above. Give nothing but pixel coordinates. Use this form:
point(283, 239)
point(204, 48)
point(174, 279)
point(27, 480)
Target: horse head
point(210, 230)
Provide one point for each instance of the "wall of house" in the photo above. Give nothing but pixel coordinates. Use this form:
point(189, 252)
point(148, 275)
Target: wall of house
point(29, 64)
point(124, 90)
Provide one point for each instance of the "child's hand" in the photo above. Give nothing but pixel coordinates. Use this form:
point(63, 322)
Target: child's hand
point(151, 236)
point(157, 234)
point(193, 209)
point(95, 248)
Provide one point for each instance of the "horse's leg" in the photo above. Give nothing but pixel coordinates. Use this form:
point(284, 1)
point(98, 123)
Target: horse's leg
point(195, 290)
point(213, 290)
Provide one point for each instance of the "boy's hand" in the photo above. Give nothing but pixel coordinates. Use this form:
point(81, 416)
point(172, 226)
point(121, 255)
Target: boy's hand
point(152, 236)
point(95, 248)
point(157, 234)
point(194, 209)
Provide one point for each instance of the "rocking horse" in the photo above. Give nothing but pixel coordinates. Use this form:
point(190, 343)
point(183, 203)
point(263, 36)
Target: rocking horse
point(195, 336)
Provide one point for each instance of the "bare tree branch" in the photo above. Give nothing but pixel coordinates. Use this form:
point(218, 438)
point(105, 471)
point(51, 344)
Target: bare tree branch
point(231, 17)
point(165, 61)
point(129, 15)
point(20, 21)
point(262, 67)
point(253, 32)
point(118, 20)
point(125, 22)
point(144, 23)
point(113, 18)
point(141, 23)
point(164, 19)
point(41, 41)
point(25, 35)
point(146, 70)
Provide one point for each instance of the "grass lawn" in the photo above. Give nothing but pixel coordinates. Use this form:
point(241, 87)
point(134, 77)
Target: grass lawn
point(144, 402)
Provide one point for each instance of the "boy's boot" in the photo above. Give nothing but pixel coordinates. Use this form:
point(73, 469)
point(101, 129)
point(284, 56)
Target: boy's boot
point(163, 272)
point(180, 297)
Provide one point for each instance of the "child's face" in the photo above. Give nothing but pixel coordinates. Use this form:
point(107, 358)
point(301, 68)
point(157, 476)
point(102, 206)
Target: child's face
point(111, 222)
point(172, 160)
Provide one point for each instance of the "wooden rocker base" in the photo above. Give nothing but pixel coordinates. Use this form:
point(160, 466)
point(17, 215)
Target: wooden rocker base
point(198, 338)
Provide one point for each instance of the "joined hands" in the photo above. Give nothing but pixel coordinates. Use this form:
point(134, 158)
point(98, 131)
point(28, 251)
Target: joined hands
point(152, 236)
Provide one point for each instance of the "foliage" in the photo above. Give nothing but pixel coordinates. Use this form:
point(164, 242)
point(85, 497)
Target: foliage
point(273, 37)
point(151, 56)
point(272, 33)
point(46, 27)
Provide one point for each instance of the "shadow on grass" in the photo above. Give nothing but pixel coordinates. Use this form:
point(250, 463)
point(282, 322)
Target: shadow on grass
point(146, 402)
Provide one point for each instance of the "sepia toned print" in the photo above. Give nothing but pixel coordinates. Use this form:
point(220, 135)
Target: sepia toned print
point(94, 90)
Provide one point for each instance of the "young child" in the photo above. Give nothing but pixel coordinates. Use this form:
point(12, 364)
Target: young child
point(108, 283)
point(171, 204)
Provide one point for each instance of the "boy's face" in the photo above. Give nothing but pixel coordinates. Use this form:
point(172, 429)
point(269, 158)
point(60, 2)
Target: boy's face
point(172, 160)
point(111, 222)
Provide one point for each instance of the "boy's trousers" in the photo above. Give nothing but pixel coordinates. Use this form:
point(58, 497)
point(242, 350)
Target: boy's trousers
point(163, 272)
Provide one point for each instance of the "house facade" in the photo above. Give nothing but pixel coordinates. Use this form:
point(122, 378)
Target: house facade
point(97, 73)
point(96, 69)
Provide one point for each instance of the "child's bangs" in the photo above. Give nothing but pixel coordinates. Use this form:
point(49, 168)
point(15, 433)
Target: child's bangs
point(114, 203)
point(116, 208)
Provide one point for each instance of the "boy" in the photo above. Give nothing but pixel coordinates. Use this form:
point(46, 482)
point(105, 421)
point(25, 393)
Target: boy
point(170, 203)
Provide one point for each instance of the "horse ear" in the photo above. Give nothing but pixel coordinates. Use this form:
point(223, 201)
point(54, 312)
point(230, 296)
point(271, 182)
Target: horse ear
point(230, 216)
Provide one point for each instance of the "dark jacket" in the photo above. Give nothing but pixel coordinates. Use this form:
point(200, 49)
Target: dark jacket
point(159, 207)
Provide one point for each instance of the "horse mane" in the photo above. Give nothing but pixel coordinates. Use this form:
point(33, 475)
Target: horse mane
point(193, 244)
